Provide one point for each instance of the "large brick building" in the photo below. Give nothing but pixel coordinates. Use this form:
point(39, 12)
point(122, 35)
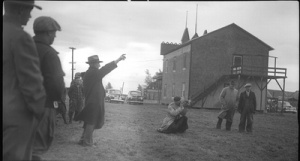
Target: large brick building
point(198, 68)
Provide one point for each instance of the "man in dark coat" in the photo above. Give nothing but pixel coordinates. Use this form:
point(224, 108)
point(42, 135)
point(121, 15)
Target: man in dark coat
point(23, 91)
point(76, 96)
point(45, 32)
point(93, 112)
point(247, 107)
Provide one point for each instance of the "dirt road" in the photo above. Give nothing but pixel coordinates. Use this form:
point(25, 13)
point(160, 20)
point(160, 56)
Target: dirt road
point(129, 134)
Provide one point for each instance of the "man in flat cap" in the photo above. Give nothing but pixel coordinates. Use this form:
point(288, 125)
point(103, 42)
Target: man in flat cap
point(23, 91)
point(45, 29)
point(93, 112)
point(247, 107)
point(229, 101)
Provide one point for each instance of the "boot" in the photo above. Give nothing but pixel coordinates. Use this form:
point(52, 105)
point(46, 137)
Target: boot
point(228, 125)
point(64, 118)
point(70, 118)
point(219, 123)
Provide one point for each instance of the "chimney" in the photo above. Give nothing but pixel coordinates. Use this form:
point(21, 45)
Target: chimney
point(205, 32)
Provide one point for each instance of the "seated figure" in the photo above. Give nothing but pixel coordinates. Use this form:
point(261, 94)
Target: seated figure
point(176, 120)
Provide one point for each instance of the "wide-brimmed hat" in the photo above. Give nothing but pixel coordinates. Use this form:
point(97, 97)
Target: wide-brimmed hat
point(248, 85)
point(26, 3)
point(93, 59)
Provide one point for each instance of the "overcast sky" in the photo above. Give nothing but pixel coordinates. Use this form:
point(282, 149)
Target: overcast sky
point(109, 29)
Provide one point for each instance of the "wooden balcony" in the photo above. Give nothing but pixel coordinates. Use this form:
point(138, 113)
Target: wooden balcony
point(269, 72)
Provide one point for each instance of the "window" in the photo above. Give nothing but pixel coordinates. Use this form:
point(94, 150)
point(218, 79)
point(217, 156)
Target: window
point(165, 90)
point(174, 64)
point(237, 64)
point(173, 90)
point(184, 61)
point(166, 66)
point(183, 90)
point(237, 61)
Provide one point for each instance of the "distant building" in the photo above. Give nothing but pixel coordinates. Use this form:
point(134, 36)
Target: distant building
point(198, 68)
point(152, 93)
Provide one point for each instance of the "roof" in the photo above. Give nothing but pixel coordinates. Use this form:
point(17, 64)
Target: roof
point(278, 94)
point(219, 30)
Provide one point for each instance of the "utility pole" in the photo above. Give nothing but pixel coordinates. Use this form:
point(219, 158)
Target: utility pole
point(122, 87)
point(72, 48)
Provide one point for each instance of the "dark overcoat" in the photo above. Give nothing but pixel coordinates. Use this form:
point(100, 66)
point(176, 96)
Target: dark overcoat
point(93, 112)
point(22, 89)
point(51, 70)
point(249, 105)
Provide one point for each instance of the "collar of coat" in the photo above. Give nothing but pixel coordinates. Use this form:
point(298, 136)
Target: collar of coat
point(39, 39)
point(11, 19)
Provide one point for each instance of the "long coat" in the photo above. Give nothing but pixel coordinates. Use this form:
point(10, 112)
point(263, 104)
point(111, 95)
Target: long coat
point(23, 92)
point(173, 111)
point(93, 112)
point(51, 70)
point(229, 101)
point(247, 103)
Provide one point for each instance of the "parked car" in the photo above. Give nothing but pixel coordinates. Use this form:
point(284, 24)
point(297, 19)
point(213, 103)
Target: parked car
point(114, 95)
point(287, 107)
point(134, 97)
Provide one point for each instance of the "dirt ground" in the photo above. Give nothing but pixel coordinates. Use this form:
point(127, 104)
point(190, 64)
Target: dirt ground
point(129, 134)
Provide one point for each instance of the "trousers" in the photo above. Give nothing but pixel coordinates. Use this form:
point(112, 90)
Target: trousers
point(45, 132)
point(87, 135)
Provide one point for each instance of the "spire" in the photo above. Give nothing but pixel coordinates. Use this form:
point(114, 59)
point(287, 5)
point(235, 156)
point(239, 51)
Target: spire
point(196, 19)
point(186, 19)
point(196, 35)
point(185, 36)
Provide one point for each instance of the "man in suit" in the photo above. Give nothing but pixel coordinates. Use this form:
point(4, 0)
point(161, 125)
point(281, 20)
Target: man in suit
point(22, 83)
point(93, 112)
point(246, 107)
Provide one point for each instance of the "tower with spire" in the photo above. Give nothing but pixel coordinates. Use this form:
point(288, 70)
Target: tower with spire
point(196, 35)
point(185, 37)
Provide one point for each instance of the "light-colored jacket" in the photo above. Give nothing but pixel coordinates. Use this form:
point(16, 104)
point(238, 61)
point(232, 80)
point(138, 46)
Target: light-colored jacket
point(173, 111)
point(229, 98)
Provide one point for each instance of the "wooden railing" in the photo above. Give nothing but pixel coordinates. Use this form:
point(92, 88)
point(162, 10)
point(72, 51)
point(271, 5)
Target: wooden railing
point(259, 71)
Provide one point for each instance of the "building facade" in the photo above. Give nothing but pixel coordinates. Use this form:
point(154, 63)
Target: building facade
point(197, 69)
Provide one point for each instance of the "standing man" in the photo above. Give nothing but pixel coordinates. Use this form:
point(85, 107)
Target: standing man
point(229, 100)
point(22, 86)
point(247, 107)
point(93, 112)
point(76, 96)
point(45, 32)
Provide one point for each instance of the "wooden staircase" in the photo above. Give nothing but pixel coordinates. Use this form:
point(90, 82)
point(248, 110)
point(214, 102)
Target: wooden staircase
point(203, 93)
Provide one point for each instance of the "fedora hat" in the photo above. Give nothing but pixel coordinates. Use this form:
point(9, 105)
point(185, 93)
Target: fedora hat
point(248, 85)
point(25, 3)
point(93, 59)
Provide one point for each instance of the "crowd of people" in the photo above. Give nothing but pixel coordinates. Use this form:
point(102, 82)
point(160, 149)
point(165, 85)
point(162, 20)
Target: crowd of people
point(176, 120)
point(34, 90)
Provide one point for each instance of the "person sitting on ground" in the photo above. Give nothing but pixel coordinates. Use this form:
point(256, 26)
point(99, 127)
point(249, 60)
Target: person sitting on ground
point(175, 121)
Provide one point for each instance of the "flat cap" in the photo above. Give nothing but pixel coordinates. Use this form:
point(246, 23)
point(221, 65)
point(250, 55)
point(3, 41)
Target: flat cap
point(45, 23)
point(248, 85)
